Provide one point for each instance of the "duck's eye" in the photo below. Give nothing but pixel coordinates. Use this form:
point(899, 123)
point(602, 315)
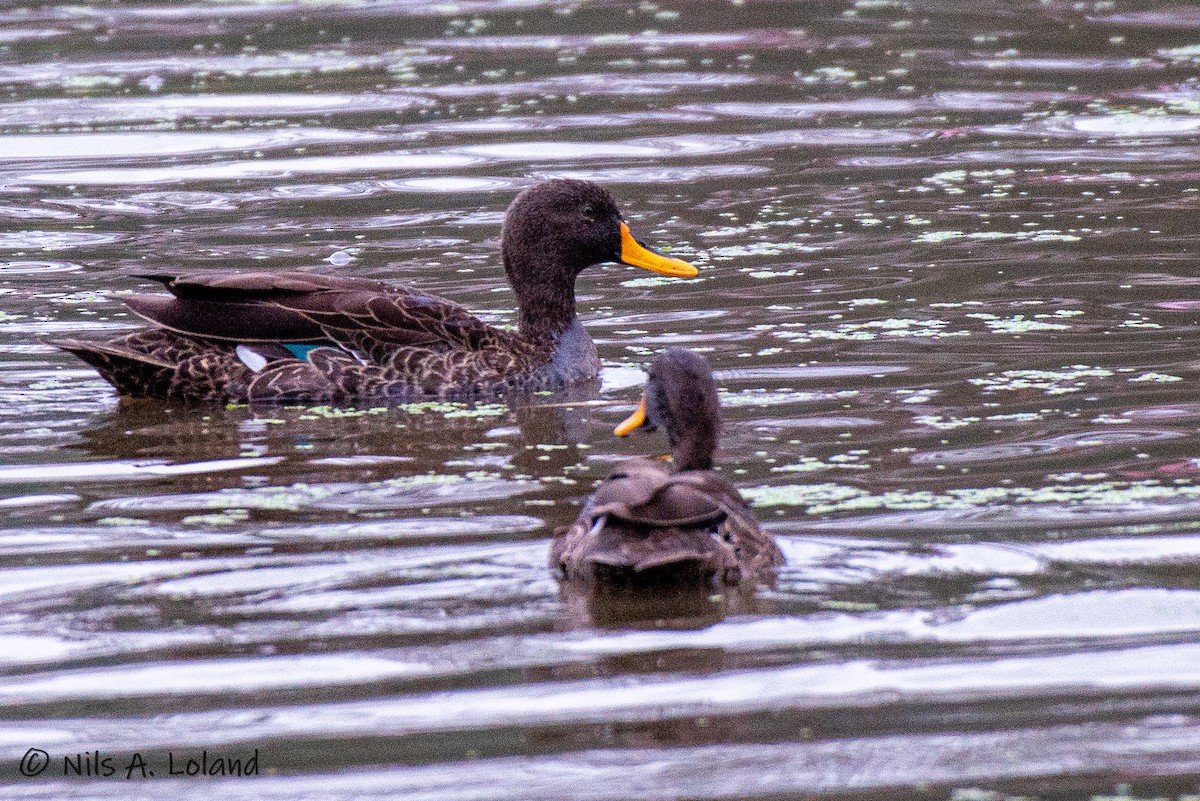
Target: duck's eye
point(589, 211)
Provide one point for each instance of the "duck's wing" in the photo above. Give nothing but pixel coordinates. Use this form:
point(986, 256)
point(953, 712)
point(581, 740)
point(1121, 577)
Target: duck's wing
point(644, 518)
point(756, 549)
point(642, 521)
point(646, 492)
point(368, 317)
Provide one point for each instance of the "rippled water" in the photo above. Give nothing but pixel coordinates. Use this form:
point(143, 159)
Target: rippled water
point(948, 280)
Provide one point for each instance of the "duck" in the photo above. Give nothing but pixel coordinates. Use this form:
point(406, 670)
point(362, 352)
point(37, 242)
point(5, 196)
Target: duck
point(295, 336)
point(649, 524)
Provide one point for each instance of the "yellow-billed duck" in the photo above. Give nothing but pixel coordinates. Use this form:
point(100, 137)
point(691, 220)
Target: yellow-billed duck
point(647, 524)
point(298, 336)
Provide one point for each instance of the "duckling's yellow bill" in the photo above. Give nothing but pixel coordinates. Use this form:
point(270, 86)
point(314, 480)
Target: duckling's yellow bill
point(635, 420)
point(636, 254)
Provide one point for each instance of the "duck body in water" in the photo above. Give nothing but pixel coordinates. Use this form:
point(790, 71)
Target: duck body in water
point(298, 336)
point(649, 525)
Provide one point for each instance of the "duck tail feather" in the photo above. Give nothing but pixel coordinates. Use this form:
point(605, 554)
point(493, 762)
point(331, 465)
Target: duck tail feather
point(132, 373)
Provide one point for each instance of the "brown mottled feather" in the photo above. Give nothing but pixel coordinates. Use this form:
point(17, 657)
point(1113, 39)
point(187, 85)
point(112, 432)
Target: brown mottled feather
point(388, 342)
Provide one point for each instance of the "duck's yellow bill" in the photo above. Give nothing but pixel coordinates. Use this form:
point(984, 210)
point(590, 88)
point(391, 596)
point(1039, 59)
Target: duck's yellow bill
point(635, 420)
point(636, 254)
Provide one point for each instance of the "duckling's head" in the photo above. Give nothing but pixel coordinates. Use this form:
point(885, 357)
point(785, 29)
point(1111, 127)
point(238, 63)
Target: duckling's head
point(681, 396)
point(552, 232)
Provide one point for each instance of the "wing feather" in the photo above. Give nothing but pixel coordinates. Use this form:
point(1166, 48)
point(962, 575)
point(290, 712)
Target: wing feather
point(361, 315)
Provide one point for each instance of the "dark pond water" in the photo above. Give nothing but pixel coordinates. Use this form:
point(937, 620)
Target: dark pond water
point(949, 281)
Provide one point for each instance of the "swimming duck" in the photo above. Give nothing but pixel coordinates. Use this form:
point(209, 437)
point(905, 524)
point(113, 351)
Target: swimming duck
point(649, 525)
point(298, 336)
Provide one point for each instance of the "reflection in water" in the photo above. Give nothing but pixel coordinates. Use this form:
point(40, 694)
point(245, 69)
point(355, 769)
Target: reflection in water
point(947, 256)
point(686, 608)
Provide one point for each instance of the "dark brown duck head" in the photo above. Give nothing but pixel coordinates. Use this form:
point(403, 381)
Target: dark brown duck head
point(680, 396)
point(555, 230)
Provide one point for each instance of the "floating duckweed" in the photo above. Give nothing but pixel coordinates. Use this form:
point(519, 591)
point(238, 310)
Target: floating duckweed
point(1016, 417)
point(935, 237)
point(829, 498)
point(652, 281)
point(830, 75)
point(333, 412)
point(848, 606)
point(438, 407)
point(398, 493)
point(947, 177)
point(807, 464)
point(943, 423)
point(452, 409)
point(1047, 235)
point(482, 410)
point(82, 298)
point(1157, 378)
point(1052, 382)
point(875, 329)
point(1018, 323)
point(1075, 475)
point(810, 495)
point(760, 249)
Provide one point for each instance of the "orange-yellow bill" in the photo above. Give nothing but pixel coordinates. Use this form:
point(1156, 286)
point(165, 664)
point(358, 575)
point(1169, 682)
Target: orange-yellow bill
point(633, 421)
point(636, 254)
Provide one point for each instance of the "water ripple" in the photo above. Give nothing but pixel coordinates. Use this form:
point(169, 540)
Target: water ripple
point(1068, 65)
point(1065, 443)
point(68, 147)
point(87, 111)
point(948, 290)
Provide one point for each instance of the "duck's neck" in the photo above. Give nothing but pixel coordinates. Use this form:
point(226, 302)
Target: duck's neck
point(545, 293)
point(694, 439)
point(544, 286)
point(691, 454)
point(544, 312)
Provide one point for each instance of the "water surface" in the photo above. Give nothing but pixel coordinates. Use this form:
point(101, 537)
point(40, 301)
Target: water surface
point(947, 278)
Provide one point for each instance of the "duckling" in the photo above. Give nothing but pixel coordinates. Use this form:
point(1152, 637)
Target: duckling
point(299, 336)
point(649, 525)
